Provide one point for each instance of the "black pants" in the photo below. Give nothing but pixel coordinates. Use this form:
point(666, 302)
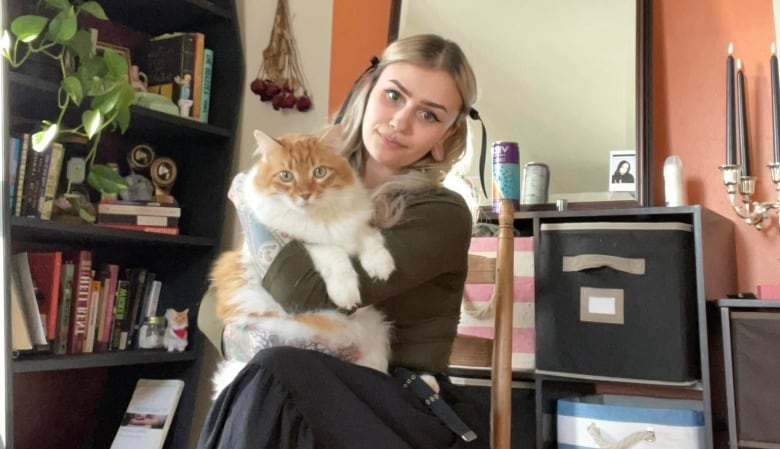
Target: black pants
point(294, 398)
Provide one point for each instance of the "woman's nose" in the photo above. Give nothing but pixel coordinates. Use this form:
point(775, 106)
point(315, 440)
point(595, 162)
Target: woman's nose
point(400, 120)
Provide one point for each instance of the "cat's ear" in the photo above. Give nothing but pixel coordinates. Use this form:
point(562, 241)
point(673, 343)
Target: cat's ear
point(333, 137)
point(264, 143)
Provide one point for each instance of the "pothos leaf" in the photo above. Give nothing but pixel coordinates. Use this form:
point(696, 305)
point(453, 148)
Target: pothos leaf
point(92, 121)
point(28, 28)
point(105, 180)
point(94, 9)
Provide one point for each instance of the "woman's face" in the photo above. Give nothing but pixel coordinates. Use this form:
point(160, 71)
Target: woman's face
point(409, 112)
point(623, 168)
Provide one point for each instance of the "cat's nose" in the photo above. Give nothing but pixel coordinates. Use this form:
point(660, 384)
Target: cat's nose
point(305, 196)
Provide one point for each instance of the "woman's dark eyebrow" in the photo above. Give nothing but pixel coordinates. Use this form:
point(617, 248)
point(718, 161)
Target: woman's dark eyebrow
point(427, 103)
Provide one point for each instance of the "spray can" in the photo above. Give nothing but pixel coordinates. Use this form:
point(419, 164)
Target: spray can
point(506, 173)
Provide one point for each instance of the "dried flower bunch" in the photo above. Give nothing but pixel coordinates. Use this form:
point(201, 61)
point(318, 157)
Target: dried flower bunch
point(280, 78)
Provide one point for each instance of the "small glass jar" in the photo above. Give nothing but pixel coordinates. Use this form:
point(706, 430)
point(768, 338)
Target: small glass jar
point(152, 332)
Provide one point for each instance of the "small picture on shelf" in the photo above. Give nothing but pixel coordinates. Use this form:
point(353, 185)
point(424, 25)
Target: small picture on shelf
point(148, 420)
point(124, 52)
point(622, 166)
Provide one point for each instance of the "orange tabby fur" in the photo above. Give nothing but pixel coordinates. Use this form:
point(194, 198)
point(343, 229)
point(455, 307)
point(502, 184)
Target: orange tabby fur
point(301, 185)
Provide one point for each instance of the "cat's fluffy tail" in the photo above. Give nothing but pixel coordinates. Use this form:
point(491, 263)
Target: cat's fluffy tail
point(227, 370)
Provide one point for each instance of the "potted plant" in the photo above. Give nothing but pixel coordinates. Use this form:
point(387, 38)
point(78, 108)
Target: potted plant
point(97, 84)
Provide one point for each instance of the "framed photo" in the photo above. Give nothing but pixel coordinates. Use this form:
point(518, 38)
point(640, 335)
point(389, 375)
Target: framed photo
point(622, 171)
point(101, 47)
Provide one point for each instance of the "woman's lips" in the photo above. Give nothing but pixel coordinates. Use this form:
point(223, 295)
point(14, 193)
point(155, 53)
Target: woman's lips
point(390, 142)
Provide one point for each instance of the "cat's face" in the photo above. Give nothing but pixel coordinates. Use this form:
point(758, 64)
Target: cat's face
point(301, 168)
point(177, 318)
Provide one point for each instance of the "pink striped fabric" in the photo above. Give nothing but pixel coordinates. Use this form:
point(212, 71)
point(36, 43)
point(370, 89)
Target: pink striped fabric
point(523, 335)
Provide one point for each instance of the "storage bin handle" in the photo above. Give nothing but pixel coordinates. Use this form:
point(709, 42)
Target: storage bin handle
point(587, 261)
point(630, 440)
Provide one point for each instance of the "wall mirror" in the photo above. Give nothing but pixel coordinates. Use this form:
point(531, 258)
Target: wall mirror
point(566, 79)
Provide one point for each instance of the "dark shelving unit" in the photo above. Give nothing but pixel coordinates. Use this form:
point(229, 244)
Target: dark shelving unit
point(53, 392)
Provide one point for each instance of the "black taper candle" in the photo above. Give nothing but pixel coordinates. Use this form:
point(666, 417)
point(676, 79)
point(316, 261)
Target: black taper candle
point(775, 104)
point(744, 150)
point(731, 138)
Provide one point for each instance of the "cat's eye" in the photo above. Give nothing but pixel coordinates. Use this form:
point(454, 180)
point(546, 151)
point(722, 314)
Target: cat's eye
point(286, 176)
point(320, 172)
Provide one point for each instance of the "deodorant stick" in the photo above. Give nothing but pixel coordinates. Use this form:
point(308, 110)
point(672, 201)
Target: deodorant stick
point(673, 185)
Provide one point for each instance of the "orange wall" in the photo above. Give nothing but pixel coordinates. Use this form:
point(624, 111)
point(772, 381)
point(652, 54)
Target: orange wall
point(690, 43)
point(359, 32)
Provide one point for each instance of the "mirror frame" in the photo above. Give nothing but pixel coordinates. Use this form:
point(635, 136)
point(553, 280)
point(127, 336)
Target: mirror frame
point(644, 110)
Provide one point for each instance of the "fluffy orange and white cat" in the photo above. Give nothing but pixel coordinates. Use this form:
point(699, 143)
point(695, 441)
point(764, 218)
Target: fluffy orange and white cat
point(301, 188)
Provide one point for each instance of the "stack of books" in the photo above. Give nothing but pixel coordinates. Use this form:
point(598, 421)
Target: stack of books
point(146, 216)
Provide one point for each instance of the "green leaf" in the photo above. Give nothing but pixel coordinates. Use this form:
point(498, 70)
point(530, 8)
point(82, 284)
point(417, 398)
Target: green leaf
point(105, 103)
point(28, 28)
point(116, 64)
point(86, 216)
point(81, 44)
point(105, 180)
point(58, 4)
point(42, 139)
point(73, 89)
point(123, 119)
point(94, 9)
point(63, 26)
point(92, 121)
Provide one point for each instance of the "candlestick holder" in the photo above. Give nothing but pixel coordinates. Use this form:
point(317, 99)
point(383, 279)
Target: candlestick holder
point(753, 212)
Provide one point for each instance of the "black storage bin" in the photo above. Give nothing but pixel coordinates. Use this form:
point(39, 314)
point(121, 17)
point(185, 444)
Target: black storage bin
point(617, 300)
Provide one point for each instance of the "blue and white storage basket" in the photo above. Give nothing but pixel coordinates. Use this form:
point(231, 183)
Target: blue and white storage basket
point(629, 422)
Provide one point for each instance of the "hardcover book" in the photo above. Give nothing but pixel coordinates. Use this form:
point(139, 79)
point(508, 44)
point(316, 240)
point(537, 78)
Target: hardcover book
point(21, 269)
point(109, 277)
point(82, 284)
point(63, 310)
point(46, 269)
point(149, 414)
point(174, 65)
point(20, 331)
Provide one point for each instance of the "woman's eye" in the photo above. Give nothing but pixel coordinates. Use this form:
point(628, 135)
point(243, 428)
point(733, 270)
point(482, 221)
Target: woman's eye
point(285, 176)
point(429, 116)
point(320, 172)
point(392, 95)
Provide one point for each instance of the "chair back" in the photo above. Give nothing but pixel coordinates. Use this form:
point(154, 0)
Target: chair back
point(497, 351)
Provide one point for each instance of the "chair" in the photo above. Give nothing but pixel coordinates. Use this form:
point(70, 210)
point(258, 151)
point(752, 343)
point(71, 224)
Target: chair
point(482, 270)
point(496, 352)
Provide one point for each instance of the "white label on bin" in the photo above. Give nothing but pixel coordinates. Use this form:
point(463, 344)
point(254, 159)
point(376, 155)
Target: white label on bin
point(601, 305)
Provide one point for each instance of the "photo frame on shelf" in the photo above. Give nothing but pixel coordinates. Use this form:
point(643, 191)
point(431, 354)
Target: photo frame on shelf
point(101, 47)
point(622, 170)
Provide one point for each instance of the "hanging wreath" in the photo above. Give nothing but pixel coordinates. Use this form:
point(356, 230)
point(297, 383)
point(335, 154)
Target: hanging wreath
point(280, 78)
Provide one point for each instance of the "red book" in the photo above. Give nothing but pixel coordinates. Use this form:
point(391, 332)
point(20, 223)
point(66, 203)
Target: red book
point(79, 318)
point(109, 276)
point(46, 269)
point(169, 230)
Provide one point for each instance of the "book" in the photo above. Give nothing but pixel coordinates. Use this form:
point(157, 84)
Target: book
point(36, 165)
point(21, 339)
point(52, 180)
point(197, 75)
point(120, 316)
point(109, 276)
point(138, 280)
point(26, 148)
point(16, 151)
point(46, 269)
point(82, 283)
point(169, 230)
point(63, 310)
point(149, 414)
point(205, 91)
point(138, 220)
point(94, 303)
point(170, 65)
point(21, 269)
point(120, 207)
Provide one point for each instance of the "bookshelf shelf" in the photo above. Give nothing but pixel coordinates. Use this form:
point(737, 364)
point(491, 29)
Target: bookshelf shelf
point(171, 15)
point(24, 228)
point(35, 363)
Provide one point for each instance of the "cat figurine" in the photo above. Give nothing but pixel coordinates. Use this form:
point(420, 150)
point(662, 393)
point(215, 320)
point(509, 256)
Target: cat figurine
point(301, 184)
point(175, 337)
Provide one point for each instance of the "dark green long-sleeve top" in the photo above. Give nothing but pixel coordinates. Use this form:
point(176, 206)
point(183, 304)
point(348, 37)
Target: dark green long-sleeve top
point(421, 298)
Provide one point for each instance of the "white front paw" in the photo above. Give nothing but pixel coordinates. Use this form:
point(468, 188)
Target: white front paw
point(343, 290)
point(378, 264)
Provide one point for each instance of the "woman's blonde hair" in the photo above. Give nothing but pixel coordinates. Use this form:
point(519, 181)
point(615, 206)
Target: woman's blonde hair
point(431, 52)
